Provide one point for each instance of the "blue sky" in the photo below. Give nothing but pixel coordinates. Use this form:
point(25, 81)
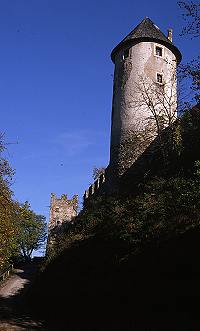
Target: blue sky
point(56, 86)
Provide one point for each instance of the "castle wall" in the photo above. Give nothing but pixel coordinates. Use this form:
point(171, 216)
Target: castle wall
point(62, 213)
point(62, 210)
point(133, 126)
point(94, 188)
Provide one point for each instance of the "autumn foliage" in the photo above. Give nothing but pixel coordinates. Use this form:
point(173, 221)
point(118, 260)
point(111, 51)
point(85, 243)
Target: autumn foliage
point(21, 230)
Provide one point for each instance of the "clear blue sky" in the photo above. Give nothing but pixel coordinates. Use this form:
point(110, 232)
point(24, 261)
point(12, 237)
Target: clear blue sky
point(56, 86)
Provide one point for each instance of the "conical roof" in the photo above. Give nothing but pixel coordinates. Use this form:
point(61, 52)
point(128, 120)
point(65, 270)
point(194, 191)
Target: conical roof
point(147, 31)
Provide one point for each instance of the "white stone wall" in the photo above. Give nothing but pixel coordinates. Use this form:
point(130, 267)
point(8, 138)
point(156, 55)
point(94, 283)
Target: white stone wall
point(131, 117)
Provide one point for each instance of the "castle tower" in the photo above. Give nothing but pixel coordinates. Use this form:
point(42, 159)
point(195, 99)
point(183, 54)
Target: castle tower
point(144, 82)
point(62, 210)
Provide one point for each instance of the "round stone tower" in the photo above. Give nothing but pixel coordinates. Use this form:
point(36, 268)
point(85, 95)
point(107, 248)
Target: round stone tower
point(144, 92)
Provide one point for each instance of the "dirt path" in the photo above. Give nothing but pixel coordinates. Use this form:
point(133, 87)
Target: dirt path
point(13, 316)
point(13, 284)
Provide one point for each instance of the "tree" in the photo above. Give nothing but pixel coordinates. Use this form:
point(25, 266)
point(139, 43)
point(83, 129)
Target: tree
point(32, 230)
point(21, 230)
point(192, 17)
point(158, 102)
point(8, 209)
point(191, 70)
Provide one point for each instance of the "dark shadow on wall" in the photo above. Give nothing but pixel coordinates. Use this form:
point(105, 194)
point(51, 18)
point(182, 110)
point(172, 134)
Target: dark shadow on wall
point(172, 155)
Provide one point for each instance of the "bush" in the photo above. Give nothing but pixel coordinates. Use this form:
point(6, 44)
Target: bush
point(162, 209)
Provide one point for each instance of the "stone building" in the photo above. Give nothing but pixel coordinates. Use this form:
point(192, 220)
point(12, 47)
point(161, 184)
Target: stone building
point(62, 213)
point(144, 91)
point(144, 98)
point(62, 210)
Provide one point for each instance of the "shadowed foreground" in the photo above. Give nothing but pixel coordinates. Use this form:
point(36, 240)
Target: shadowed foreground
point(90, 288)
point(13, 312)
point(159, 289)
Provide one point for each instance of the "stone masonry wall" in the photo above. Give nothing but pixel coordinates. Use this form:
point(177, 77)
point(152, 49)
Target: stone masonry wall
point(62, 213)
point(133, 125)
point(62, 210)
point(95, 188)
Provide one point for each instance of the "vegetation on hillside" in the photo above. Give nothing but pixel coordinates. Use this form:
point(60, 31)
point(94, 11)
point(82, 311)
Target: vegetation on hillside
point(128, 261)
point(165, 204)
point(131, 255)
point(156, 208)
point(7, 210)
point(162, 209)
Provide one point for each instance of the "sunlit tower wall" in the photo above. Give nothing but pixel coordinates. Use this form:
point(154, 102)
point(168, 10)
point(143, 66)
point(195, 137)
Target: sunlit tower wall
point(62, 210)
point(62, 214)
point(145, 68)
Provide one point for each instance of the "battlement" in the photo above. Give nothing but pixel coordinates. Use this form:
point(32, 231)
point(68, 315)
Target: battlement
point(94, 188)
point(64, 199)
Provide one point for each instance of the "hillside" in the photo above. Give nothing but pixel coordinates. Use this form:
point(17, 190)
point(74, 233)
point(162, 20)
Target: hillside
point(86, 288)
point(131, 261)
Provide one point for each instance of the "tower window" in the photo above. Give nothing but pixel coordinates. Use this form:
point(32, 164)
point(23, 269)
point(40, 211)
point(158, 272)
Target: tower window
point(126, 53)
point(159, 51)
point(159, 78)
point(57, 221)
point(57, 209)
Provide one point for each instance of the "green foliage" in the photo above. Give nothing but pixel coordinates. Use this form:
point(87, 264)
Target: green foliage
point(163, 208)
point(177, 138)
point(8, 209)
point(21, 230)
point(197, 169)
point(31, 230)
point(168, 207)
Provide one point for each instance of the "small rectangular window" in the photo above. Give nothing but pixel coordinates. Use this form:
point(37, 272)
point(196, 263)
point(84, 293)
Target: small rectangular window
point(126, 53)
point(159, 78)
point(57, 209)
point(159, 51)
